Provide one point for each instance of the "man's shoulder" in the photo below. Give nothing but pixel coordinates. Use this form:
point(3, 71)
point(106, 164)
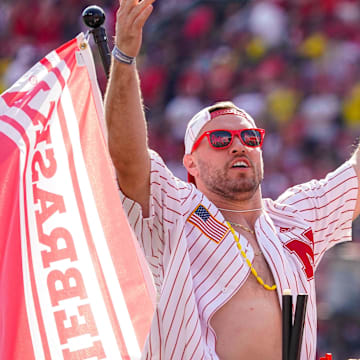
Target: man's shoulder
point(277, 206)
point(284, 216)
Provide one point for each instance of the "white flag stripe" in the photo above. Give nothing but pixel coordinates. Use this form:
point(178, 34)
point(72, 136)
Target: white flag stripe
point(12, 133)
point(17, 115)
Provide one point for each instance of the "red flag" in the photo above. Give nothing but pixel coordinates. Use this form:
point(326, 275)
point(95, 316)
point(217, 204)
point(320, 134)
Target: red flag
point(73, 284)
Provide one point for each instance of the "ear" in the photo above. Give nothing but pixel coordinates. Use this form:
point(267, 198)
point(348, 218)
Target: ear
point(190, 165)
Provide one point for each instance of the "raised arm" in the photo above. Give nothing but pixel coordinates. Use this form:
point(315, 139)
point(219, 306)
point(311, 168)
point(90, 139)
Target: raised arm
point(124, 112)
point(355, 161)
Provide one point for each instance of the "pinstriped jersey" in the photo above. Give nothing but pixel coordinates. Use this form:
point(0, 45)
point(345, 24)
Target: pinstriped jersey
point(197, 267)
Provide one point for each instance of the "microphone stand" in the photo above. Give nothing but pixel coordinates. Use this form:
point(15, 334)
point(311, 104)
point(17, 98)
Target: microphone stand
point(93, 17)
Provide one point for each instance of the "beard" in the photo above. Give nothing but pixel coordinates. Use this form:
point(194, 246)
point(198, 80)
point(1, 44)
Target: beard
point(241, 187)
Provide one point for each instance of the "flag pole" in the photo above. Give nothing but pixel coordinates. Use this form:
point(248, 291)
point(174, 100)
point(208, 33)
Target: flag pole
point(93, 17)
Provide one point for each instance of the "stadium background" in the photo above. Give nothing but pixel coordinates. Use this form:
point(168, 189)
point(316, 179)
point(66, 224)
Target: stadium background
point(294, 65)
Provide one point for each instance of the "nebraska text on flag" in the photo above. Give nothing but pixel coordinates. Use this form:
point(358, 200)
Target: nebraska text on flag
point(208, 224)
point(72, 281)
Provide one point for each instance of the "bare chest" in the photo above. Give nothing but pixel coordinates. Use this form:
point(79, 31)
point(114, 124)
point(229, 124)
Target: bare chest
point(248, 326)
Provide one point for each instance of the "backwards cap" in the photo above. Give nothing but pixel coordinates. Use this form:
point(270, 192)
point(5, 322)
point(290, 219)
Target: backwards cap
point(199, 120)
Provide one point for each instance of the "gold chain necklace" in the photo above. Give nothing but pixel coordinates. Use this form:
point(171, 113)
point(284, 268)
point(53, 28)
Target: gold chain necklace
point(248, 230)
point(242, 227)
point(242, 252)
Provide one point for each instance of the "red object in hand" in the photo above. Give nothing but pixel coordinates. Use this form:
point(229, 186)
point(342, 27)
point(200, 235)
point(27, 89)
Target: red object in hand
point(328, 356)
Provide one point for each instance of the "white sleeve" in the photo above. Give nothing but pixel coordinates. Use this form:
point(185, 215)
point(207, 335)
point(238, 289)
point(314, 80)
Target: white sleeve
point(167, 206)
point(327, 205)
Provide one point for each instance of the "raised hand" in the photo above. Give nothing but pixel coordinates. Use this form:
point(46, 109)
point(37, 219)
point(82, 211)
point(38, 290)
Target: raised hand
point(130, 19)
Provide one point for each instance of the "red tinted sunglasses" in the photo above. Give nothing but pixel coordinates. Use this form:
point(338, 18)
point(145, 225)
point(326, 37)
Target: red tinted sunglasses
point(222, 139)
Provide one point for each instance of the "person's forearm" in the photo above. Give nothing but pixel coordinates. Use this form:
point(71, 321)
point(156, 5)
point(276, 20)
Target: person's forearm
point(127, 133)
point(125, 119)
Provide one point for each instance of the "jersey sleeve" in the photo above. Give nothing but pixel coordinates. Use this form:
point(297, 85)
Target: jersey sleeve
point(327, 206)
point(167, 205)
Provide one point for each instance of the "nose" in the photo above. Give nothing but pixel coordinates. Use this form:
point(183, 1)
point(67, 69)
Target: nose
point(237, 145)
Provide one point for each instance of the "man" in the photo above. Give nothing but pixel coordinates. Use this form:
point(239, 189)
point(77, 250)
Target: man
point(220, 254)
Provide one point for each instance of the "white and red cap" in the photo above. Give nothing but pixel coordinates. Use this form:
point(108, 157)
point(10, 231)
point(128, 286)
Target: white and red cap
point(199, 120)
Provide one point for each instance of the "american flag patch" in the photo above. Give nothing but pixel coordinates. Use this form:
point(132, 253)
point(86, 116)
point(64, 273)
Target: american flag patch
point(207, 224)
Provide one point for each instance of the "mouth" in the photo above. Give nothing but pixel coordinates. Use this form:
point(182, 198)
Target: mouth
point(240, 164)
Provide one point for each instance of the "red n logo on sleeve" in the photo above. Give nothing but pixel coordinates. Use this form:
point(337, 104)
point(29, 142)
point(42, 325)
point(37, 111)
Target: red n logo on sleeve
point(304, 251)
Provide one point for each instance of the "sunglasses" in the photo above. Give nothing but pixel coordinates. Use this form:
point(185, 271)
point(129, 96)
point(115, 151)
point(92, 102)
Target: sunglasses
point(222, 139)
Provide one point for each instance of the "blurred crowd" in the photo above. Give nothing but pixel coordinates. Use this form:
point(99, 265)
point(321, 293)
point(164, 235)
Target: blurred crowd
point(293, 65)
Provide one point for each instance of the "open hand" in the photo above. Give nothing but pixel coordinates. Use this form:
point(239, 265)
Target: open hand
point(130, 19)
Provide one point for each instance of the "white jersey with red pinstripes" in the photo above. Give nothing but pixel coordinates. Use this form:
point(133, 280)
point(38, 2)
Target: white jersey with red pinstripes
point(195, 275)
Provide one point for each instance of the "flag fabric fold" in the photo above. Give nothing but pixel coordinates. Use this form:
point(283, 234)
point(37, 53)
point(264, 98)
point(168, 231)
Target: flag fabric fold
point(73, 283)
